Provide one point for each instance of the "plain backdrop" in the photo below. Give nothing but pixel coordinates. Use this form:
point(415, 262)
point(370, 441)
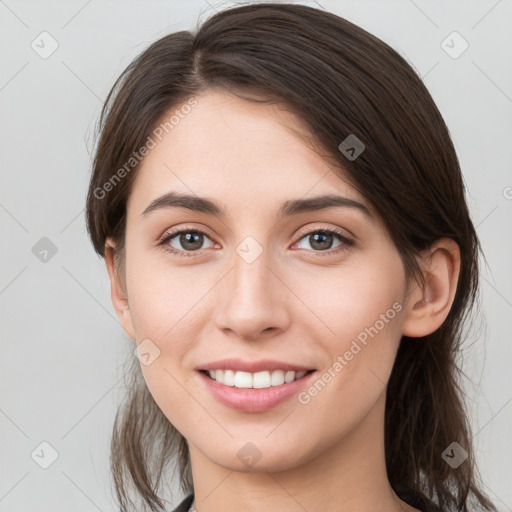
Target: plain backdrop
point(62, 350)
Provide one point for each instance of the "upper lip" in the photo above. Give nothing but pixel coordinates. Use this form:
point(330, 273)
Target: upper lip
point(252, 366)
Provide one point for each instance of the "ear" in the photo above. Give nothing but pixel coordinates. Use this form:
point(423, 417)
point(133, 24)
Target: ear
point(117, 291)
point(428, 306)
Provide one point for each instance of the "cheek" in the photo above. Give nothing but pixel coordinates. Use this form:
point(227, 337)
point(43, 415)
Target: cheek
point(360, 308)
point(360, 362)
point(164, 298)
point(165, 308)
point(346, 300)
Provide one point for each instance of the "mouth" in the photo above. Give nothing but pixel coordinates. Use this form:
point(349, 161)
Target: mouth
point(254, 392)
point(258, 380)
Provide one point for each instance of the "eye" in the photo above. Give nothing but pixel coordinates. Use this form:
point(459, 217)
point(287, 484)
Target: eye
point(321, 240)
point(191, 240)
point(188, 240)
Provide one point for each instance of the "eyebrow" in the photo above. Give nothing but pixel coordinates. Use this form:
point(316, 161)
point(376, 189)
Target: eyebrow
point(290, 207)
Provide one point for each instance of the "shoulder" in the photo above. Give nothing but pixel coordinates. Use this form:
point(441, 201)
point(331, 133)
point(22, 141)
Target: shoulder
point(185, 504)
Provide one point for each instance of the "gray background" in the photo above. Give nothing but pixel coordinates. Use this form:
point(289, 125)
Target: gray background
point(62, 348)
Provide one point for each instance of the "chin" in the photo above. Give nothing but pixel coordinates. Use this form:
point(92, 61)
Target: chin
point(254, 457)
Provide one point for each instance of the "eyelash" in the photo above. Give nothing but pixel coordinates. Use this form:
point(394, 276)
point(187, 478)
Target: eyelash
point(347, 242)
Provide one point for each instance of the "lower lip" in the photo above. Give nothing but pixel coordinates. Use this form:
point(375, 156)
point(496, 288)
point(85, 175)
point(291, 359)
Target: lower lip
point(254, 400)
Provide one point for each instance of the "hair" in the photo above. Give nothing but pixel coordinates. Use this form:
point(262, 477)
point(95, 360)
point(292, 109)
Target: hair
point(339, 80)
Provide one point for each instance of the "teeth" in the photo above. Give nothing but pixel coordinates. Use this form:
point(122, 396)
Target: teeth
point(258, 380)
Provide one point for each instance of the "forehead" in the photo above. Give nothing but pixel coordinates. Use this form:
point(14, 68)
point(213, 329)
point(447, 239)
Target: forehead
point(236, 150)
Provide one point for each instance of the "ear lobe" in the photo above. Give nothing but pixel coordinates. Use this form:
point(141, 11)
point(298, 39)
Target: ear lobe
point(429, 305)
point(118, 293)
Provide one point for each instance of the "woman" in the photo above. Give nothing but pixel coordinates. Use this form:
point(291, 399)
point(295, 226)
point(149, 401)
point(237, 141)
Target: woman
point(282, 215)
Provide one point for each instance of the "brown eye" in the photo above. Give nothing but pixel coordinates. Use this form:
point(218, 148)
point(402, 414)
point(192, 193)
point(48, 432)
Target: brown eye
point(191, 241)
point(186, 240)
point(323, 239)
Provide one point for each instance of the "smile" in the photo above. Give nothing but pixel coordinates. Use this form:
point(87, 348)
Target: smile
point(254, 392)
point(258, 380)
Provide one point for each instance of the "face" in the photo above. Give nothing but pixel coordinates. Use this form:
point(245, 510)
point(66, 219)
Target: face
point(319, 289)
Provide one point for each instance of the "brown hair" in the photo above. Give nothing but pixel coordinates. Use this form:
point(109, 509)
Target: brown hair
point(340, 80)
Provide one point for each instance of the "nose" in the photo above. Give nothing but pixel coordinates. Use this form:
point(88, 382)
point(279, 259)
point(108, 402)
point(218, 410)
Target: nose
point(253, 299)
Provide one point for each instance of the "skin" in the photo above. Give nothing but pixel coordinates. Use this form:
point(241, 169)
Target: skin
point(295, 302)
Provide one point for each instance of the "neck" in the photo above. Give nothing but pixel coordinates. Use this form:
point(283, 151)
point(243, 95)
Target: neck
point(348, 476)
